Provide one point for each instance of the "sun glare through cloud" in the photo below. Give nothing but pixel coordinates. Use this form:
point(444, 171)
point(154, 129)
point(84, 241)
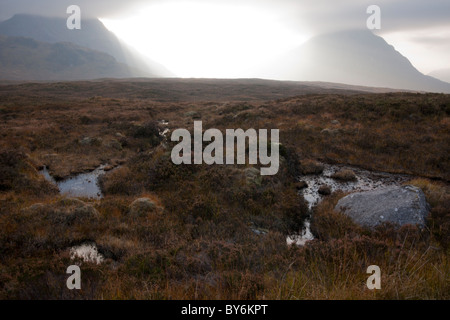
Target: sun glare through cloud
point(198, 40)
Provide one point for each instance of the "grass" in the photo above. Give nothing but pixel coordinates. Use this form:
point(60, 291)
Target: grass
point(202, 244)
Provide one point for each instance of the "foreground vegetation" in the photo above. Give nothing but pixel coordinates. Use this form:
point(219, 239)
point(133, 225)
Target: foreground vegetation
point(215, 232)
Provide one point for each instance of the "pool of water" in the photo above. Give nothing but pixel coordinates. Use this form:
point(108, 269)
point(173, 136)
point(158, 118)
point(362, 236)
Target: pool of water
point(365, 181)
point(84, 185)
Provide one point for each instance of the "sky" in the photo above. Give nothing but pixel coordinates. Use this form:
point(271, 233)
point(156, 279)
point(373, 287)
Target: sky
point(199, 37)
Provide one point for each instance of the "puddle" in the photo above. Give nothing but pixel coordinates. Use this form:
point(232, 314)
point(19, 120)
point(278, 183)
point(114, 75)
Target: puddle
point(301, 239)
point(88, 252)
point(83, 185)
point(366, 181)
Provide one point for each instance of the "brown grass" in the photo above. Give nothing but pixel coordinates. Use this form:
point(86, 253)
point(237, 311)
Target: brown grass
point(203, 244)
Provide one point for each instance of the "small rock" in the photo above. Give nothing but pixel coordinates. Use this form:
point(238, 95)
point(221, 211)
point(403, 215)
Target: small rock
point(85, 141)
point(335, 122)
point(329, 131)
point(193, 114)
point(88, 141)
point(253, 176)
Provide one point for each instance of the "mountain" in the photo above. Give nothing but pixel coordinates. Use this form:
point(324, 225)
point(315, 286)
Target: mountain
point(441, 74)
point(27, 59)
point(356, 57)
point(93, 35)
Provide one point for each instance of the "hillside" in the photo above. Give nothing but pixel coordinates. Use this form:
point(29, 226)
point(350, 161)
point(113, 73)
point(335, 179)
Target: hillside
point(93, 35)
point(28, 59)
point(356, 57)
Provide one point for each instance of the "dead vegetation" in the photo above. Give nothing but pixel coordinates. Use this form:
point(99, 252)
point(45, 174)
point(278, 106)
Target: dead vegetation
point(215, 232)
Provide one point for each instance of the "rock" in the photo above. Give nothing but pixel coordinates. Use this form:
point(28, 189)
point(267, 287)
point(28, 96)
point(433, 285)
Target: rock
point(311, 167)
point(400, 205)
point(259, 231)
point(85, 141)
point(329, 131)
point(301, 185)
point(335, 122)
point(88, 141)
point(253, 176)
point(142, 207)
point(324, 190)
point(193, 114)
point(344, 175)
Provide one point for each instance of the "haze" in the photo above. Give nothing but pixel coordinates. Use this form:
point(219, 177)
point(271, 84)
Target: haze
point(227, 38)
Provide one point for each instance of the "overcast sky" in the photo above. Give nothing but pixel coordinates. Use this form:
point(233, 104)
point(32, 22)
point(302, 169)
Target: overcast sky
point(420, 30)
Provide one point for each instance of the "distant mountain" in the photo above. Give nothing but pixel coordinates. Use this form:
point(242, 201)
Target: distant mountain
point(356, 57)
point(93, 35)
point(441, 74)
point(27, 59)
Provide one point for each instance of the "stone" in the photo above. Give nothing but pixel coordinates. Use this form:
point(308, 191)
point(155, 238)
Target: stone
point(253, 176)
point(399, 205)
point(328, 131)
point(193, 114)
point(85, 141)
point(88, 141)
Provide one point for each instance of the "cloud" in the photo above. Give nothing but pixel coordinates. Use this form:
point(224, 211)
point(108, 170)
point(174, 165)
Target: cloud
point(403, 17)
point(57, 8)
point(319, 15)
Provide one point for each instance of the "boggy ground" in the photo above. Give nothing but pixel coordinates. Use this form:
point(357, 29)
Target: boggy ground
point(214, 232)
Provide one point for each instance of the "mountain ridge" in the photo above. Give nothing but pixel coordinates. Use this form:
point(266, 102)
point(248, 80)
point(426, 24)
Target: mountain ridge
point(24, 58)
point(354, 57)
point(92, 35)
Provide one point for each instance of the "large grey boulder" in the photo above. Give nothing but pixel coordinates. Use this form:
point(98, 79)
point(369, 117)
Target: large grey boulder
point(400, 205)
